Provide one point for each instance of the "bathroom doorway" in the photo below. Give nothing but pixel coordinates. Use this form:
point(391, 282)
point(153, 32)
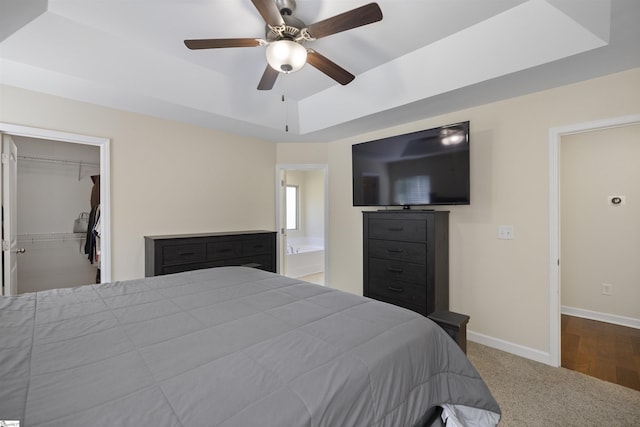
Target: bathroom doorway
point(302, 222)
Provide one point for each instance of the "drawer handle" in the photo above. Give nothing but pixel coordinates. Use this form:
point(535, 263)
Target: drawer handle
point(224, 250)
point(186, 253)
point(395, 251)
point(395, 229)
point(394, 289)
point(394, 270)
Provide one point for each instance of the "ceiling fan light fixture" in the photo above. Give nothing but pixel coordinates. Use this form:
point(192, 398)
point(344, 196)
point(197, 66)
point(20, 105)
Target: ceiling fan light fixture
point(286, 56)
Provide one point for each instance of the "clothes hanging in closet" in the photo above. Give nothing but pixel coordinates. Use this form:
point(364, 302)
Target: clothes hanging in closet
point(91, 247)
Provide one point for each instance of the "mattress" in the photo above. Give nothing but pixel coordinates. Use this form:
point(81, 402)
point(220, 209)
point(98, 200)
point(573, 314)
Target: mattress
point(229, 346)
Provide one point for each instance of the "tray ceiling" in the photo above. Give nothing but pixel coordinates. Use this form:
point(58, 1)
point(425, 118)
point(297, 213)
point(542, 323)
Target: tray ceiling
point(425, 57)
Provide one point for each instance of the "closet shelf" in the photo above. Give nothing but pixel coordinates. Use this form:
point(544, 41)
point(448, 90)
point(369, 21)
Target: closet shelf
point(50, 237)
point(79, 163)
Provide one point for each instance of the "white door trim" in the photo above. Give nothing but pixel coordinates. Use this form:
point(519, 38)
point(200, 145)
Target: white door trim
point(555, 135)
point(279, 195)
point(105, 180)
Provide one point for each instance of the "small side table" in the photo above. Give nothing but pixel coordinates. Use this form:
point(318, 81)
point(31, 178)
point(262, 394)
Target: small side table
point(455, 324)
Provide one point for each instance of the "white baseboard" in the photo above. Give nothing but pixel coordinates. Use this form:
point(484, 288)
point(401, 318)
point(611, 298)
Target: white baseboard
point(601, 317)
point(509, 347)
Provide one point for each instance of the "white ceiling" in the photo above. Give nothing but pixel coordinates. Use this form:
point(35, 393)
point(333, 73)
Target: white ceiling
point(425, 57)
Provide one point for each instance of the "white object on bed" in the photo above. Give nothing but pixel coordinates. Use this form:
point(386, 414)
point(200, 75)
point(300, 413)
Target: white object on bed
point(466, 416)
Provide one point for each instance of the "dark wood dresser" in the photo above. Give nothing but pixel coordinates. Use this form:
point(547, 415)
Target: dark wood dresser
point(406, 258)
point(183, 252)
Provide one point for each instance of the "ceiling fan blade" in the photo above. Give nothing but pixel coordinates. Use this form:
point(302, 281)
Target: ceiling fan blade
point(269, 12)
point(221, 43)
point(268, 78)
point(357, 17)
point(329, 67)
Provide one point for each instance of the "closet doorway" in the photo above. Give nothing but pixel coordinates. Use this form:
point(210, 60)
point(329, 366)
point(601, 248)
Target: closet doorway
point(55, 178)
point(302, 202)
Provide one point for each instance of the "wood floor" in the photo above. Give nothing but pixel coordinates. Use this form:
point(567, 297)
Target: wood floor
point(602, 350)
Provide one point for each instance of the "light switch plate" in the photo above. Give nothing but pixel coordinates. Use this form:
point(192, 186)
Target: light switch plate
point(505, 232)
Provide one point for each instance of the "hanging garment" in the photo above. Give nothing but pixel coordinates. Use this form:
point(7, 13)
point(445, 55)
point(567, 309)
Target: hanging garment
point(90, 246)
point(97, 230)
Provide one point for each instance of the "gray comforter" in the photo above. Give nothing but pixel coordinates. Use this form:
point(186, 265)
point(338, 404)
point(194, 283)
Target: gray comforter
point(228, 346)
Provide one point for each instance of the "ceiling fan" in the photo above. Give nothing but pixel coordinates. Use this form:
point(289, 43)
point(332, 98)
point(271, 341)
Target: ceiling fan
point(286, 35)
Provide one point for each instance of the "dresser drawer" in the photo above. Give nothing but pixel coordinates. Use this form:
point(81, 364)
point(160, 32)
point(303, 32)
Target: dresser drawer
point(256, 246)
point(396, 270)
point(410, 294)
point(183, 253)
point(262, 262)
point(397, 229)
point(222, 249)
point(399, 251)
point(179, 268)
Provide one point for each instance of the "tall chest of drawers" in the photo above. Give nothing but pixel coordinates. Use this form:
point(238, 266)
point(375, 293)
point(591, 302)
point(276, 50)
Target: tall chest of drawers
point(406, 259)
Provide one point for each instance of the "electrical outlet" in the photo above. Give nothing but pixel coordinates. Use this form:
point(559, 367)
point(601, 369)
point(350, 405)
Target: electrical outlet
point(607, 289)
point(505, 232)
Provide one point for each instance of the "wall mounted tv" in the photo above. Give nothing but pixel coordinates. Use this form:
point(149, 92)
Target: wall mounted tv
point(428, 167)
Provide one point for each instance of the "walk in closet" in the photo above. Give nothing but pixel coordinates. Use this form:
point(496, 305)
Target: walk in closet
point(54, 199)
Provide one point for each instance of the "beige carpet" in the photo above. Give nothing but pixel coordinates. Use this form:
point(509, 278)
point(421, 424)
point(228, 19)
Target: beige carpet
point(534, 394)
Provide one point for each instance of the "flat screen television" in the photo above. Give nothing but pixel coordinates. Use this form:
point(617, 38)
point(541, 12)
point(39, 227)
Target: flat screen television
point(428, 167)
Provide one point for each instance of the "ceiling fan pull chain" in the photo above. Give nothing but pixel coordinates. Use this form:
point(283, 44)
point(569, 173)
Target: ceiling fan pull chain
point(286, 115)
point(285, 102)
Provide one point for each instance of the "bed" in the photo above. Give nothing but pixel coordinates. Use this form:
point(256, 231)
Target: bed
point(230, 346)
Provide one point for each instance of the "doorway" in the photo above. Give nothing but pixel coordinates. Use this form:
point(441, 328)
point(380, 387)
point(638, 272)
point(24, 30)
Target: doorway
point(102, 168)
point(555, 288)
point(54, 183)
point(302, 205)
point(600, 235)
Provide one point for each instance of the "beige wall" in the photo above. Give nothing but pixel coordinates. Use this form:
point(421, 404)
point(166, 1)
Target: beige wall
point(502, 284)
point(310, 185)
point(302, 154)
point(314, 202)
point(601, 242)
point(166, 177)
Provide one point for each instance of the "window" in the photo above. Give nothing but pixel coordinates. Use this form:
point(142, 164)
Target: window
point(292, 207)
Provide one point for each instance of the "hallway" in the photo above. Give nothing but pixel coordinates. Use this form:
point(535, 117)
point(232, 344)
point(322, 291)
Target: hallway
point(602, 350)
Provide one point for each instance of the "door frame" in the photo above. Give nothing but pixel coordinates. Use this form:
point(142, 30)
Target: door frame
point(9, 177)
point(555, 136)
point(280, 195)
point(105, 180)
